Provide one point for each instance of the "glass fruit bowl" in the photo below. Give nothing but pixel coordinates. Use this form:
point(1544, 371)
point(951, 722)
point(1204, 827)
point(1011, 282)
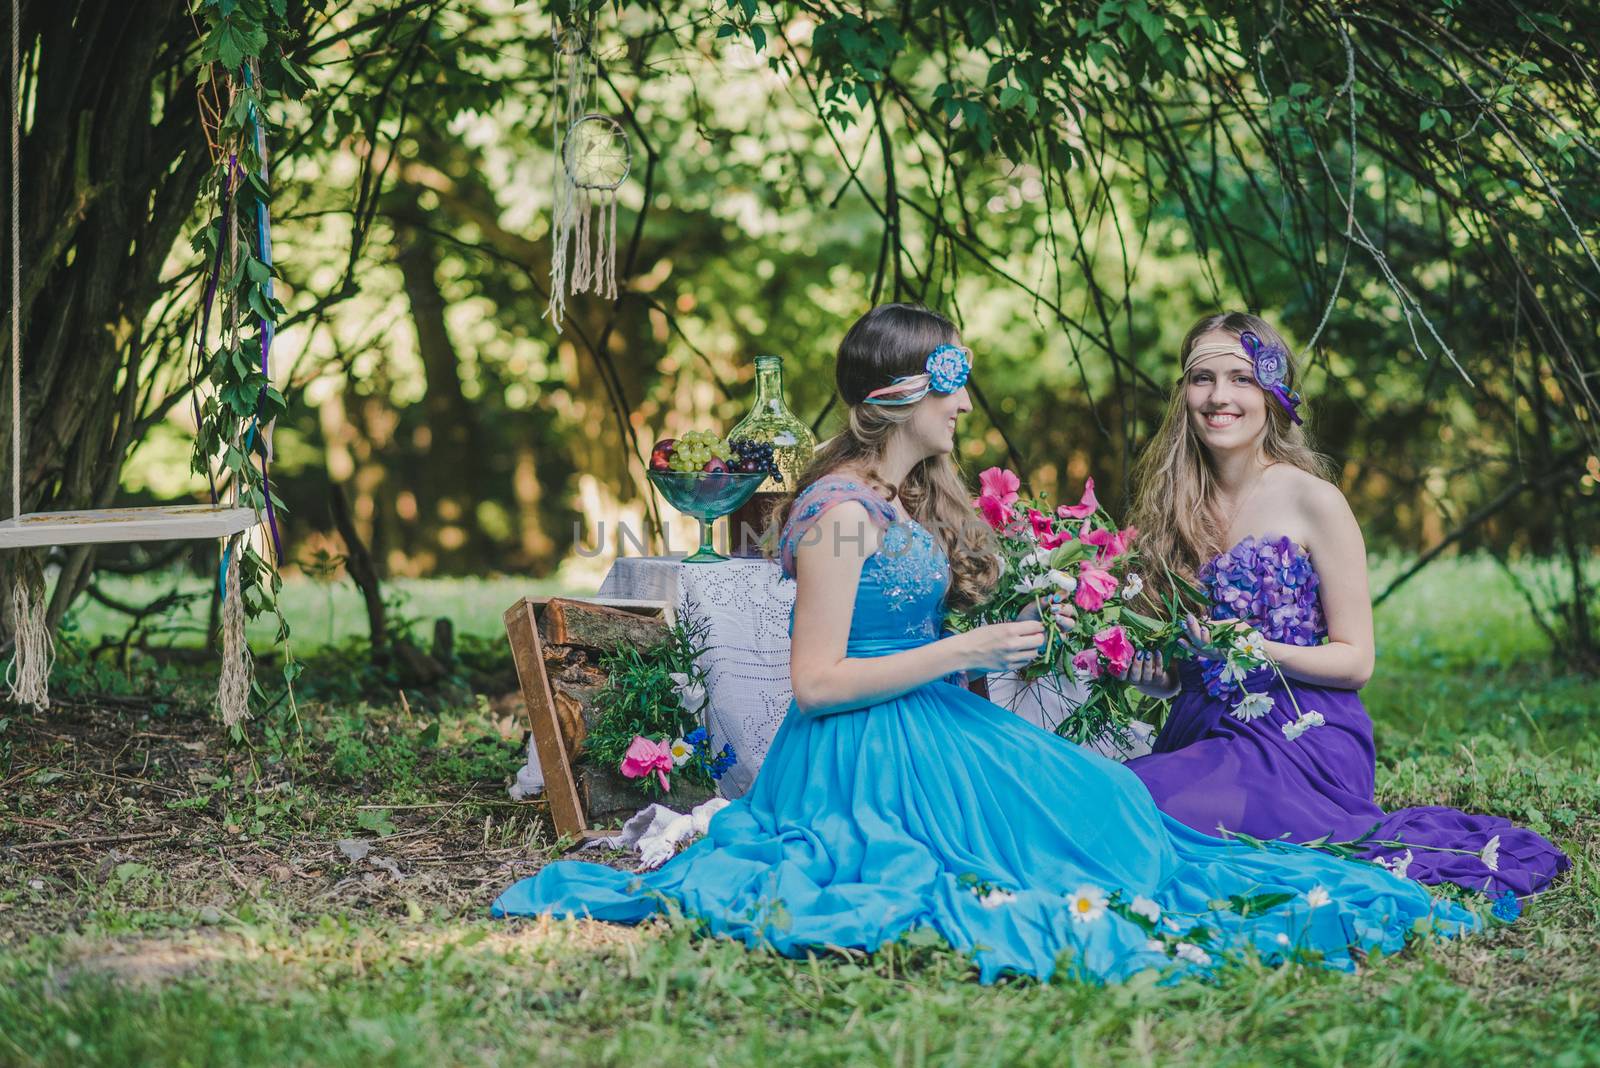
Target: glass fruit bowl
point(708, 496)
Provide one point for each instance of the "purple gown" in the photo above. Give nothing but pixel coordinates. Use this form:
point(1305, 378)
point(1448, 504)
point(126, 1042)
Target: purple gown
point(1211, 769)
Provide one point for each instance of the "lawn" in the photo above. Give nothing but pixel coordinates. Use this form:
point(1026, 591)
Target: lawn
point(318, 894)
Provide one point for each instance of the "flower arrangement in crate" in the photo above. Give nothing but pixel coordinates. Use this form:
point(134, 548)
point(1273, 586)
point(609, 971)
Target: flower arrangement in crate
point(648, 714)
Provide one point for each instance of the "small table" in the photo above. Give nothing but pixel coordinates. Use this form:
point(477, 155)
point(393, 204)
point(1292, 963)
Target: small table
point(744, 605)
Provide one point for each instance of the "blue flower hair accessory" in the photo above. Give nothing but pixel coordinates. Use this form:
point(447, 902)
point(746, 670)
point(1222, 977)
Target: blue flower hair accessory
point(945, 371)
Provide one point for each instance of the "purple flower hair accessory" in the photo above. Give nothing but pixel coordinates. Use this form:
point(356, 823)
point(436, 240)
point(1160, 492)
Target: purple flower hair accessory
point(1271, 368)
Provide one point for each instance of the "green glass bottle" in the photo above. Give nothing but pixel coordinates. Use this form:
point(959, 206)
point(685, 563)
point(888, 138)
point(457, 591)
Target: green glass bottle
point(770, 422)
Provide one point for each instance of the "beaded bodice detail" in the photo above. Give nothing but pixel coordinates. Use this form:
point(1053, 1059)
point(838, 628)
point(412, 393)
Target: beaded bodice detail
point(903, 584)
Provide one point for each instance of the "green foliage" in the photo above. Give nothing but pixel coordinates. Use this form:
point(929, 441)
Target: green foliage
point(640, 699)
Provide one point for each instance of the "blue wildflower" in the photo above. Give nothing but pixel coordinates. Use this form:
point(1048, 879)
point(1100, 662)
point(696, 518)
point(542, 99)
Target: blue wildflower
point(696, 738)
point(722, 762)
point(1507, 907)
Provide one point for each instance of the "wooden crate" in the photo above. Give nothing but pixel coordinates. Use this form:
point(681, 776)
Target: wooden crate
point(549, 637)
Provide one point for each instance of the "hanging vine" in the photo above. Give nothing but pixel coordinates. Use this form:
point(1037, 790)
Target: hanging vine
point(244, 65)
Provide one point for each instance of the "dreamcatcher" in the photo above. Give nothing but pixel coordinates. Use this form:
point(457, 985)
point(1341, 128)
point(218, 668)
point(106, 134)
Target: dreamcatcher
point(591, 158)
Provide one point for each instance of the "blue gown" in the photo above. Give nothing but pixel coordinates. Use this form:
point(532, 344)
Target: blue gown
point(939, 809)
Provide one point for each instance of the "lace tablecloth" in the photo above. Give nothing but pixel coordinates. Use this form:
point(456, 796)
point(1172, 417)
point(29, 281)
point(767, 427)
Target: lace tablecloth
point(745, 605)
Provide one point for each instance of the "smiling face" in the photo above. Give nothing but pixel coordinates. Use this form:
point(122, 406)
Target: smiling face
point(1227, 409)
point(932, 426)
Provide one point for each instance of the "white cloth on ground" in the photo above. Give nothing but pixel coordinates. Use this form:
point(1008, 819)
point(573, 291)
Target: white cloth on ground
point(656, 832)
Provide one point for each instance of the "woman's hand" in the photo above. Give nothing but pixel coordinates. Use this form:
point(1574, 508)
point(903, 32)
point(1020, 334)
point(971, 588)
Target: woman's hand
point(1001, 646)
point(1200, 632)
point(1151, 676)
point(1061, 609)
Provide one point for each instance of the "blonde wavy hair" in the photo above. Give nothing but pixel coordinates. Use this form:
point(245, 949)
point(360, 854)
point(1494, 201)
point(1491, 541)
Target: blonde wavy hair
point(889, 341)
point(1175, 495)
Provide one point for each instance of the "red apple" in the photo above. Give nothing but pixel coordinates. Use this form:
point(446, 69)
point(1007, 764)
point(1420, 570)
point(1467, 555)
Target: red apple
point(661, 455)
point(714, 465)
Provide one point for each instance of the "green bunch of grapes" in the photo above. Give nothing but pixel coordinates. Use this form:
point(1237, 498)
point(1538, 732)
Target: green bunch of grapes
point(691, 451)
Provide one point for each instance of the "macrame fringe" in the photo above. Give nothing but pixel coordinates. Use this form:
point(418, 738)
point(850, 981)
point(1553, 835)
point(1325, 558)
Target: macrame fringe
point(582, 269)
point(33, 651)
point(594, 243)
point(238, 670)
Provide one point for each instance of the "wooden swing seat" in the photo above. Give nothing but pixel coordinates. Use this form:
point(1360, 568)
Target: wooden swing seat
point(119, 525)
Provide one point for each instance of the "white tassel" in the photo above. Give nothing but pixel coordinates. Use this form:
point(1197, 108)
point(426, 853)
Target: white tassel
point(604, 253)
point(611, 247)
point(582, 267)
point(238, 670)
point(33, 652)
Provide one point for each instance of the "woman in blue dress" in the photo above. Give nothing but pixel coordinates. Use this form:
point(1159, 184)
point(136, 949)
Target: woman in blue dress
point(893, 799)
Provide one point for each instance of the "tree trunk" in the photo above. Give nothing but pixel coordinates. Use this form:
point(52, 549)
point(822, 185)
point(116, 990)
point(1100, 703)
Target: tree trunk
point(93, 241)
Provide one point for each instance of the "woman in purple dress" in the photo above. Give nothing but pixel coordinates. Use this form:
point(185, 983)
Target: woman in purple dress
point(1232, 497)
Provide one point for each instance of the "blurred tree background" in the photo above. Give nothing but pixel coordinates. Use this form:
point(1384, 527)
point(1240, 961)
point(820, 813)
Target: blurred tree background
point(1410, 191)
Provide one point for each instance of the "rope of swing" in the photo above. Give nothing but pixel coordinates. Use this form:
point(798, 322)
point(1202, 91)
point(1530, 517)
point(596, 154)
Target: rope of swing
point(16, 265)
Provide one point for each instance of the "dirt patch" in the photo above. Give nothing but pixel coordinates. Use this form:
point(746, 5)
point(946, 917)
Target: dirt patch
point(109, 814)
point(147, 962)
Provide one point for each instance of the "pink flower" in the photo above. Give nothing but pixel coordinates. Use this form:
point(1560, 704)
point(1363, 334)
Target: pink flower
point(1114, 545)
point(995, 512)
point(1086, 662)
point(1100, 539)
point(1114, 645)
point(1044, 531)
point(645, 756)
point(1094, 586)
point(1000, 483)
point(1085, 507)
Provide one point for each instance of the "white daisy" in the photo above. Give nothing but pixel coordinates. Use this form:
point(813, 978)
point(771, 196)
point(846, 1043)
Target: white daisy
point(1252, 645)
point(1039, 558)
point(1193, 953)
point(1143, 906)
point(1064, 582)
point(1317, 897)
point(1306, 721)
point(681, 752)
point(1033, 584)
point(1087, 904)
point(1400, 865)
point(1132, 587)
point(995, 898)
point(1490, 855)
point(1254, 706)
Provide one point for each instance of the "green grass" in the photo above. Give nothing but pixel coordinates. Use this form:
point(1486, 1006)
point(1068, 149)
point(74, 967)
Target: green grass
point(249, 938)
point(320, 613)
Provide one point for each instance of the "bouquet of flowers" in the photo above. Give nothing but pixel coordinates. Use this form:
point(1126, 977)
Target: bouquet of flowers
point(1079, 552)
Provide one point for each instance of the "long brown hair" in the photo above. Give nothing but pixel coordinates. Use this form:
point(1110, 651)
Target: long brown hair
point(889, 341)
point(1175, 502)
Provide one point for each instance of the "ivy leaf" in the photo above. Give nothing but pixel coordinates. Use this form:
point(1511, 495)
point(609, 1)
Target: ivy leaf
point(230, 47)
